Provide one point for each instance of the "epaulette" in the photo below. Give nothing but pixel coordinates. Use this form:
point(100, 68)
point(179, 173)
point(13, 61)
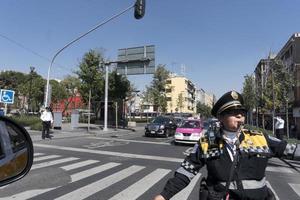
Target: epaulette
point(252, 132)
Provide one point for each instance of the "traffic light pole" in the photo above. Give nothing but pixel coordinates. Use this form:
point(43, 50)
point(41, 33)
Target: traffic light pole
point(46, 103)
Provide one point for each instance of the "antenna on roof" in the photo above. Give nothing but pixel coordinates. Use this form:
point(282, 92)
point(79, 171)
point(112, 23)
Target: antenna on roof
point(183, 68)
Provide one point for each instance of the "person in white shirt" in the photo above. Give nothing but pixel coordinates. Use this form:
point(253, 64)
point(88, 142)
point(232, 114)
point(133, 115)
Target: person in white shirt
point(279, 125)
point(47, 120)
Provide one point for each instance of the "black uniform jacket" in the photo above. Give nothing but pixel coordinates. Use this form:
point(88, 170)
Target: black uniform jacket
point(252, 156)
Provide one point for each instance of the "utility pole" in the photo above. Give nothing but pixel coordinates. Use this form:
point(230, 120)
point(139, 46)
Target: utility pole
point(30, 89)
point(273, 96)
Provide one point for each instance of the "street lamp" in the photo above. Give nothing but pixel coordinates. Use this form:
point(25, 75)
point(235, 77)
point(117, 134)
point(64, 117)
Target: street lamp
point(139, 12)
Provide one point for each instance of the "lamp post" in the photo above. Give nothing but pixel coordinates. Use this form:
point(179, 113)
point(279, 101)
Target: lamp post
point(139, 12)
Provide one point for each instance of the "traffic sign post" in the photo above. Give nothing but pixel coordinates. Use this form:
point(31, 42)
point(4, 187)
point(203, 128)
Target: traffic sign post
point(7, 97)
point(136, 60)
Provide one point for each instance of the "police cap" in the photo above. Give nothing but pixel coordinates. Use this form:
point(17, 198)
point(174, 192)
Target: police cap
point(231, 100)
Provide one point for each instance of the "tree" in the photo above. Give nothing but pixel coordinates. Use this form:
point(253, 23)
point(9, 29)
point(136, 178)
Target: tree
point(156, 94)
point(11, 80)
point(71, 84)
point(285, 82)
point(59, 92)
point(180, 102)
point(204, 110)
point(119, 86)
point(249, 96)
point(91, 73)
point(28, 86)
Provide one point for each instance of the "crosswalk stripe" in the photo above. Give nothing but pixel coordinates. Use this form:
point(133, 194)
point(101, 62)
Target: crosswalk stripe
point(296, 188)
point(185, 193)
point(138, 188)
point(45, 158)
point(270, 186)
point(38, 154)
point(27, 194)
point(79, 164)
point(101, 184)
point(279, 169)
point(90, 172)
point(54, 162)
point(111, 153)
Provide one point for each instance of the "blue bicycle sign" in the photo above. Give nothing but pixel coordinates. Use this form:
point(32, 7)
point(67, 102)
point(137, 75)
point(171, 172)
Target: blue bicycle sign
point(7, 96)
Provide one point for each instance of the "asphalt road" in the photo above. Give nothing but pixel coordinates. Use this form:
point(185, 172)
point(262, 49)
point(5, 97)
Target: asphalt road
point(121, 165)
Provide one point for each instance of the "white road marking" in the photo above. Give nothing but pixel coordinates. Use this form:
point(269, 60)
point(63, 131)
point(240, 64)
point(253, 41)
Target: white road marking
point(79, 164)
point(127, 155)
point(140, 187)
point(296, 188)
point(133, 141)
point(27, 194)
point(92, 171)
point(279, 169)
point(38, 154)
point(51, 163)
point(185, 193)
point(45, 158)
point(269, 186)
point(101, 184)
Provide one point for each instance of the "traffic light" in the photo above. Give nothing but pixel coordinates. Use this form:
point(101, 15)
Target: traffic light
point(139, 9)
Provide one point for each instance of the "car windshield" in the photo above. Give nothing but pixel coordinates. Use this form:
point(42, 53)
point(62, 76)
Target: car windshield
point(160, 120)
point(190, 124)
point(206, 125)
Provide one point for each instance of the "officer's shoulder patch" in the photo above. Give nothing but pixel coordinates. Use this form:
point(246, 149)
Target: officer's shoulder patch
point(252, 132)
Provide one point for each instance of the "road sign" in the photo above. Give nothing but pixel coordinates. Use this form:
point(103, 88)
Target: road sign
point(7, 96)
point(136, 60)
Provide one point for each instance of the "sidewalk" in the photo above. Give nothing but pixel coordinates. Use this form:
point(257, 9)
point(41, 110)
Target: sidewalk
point(82, 130)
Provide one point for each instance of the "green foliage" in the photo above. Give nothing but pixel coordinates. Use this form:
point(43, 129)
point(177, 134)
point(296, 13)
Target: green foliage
point(279, 86)
point(33, 122)
point(71, 85)
point(155, 94)
point(29, 85)
point(180, 102)
point(59, 92)
point(249, 92)
point(204, 110)
point(119, 86)
point(91, 76)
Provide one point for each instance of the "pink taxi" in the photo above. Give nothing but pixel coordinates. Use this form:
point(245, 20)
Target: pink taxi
point(189, 131)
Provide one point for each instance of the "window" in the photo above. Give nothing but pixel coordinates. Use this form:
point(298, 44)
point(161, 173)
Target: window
point(169, 98)
point(16, 137)
point(168, 81)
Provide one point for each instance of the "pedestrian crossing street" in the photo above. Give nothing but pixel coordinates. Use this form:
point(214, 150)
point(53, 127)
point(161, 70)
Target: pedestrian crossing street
point(90, 168)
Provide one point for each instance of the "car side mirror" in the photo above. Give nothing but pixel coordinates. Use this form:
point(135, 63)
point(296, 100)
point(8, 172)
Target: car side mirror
point(16, 151)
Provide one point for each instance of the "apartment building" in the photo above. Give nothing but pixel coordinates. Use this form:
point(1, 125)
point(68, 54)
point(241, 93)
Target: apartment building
point(290, 55)
point(204, 97)
point(180, 94)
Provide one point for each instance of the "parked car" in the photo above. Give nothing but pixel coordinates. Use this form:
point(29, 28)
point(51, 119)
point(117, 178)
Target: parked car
point(178, 121)
point(190, 131)
point(16, 151)
point(161, 126)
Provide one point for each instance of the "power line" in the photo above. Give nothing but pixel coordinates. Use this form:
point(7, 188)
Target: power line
point(30, 50)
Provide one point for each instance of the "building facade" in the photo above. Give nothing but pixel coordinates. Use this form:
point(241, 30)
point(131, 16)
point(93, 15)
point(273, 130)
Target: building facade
point(290, 56)
point(180, 94)
point(205, 98)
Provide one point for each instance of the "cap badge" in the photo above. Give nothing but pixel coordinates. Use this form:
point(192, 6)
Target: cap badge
point(234, 95)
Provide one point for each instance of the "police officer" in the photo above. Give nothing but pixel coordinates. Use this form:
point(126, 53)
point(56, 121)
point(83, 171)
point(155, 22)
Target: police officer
point(47, 120)
point(236, 158)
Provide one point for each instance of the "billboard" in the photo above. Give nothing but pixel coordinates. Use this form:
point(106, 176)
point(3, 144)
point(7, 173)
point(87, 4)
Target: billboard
point(136, 60)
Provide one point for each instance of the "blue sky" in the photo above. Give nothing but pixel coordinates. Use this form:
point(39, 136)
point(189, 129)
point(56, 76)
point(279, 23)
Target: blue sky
point(219, 41)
